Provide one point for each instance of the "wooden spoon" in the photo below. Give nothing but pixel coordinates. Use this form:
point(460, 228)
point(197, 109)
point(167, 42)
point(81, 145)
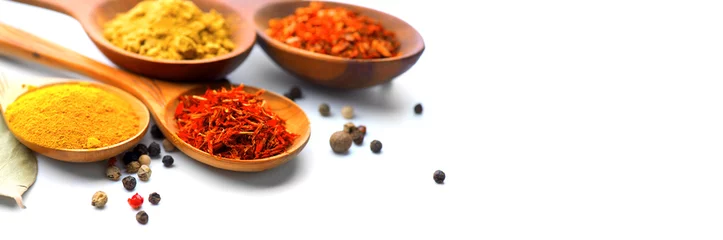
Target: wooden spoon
point(160, 97)
point(9, 91)
point(93, 14)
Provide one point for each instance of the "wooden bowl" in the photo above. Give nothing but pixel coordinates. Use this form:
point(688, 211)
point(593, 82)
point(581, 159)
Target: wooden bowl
point(97, 154)
point(338, 72)
point(93, 14)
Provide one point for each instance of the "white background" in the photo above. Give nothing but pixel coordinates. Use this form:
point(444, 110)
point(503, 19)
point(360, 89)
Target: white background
point(552, 119)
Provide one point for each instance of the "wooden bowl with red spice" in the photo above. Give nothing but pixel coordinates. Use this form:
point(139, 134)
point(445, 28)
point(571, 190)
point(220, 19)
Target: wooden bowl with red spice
point(359, 48)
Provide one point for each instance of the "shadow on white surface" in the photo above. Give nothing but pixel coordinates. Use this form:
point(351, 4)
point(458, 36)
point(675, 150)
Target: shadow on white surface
point(94, 171)
point(271, 178)
point(8, 203)
point(383, 97)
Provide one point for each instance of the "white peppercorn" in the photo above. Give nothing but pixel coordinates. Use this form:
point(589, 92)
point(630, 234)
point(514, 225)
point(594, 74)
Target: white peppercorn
point(145, 160)
point(113, 173)
point(347, 112)
point(133, 167)
point(144, 173)
point(100, 198)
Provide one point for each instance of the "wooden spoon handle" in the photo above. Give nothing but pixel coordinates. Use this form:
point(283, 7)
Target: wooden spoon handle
point(74, 8)
point(23, 45)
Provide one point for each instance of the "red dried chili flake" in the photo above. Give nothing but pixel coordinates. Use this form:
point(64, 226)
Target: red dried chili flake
point(232, 124)
point(335, 31)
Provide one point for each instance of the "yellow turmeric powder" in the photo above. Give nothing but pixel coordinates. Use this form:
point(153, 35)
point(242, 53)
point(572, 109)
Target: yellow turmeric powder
point(72, 116)
point(171, 30)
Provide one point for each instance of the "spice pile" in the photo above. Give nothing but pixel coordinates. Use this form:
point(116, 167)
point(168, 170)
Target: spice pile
point(72, 116)
point(170, 29)
point(232, 123)
point(335, 31)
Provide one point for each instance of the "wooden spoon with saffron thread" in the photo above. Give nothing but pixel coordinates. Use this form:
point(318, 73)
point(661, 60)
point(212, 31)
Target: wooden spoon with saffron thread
point(160, 97)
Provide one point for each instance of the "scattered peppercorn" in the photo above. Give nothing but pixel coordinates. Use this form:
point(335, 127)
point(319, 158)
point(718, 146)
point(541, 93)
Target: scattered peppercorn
point(142, 217)
point(347, 112)
point(144, 173)
point(340, 142)
point(99, 199)
point(167, 160)
point(295, 92)
point(144, 160)
point(288, 95)
point(154, 150)
point(168, 146)
point(154, 198)
point(324, 110)
point(112, 161)
point(141, 149)
point(357, 136)
point(418, 108)
point(376, 146)
point(439, 176)
point(130, 157)
point(133, 167)
point(113, 173)
point(129, 183)
point(156, 132)
point(349, 127)
point(136, 201)
point(362, 129)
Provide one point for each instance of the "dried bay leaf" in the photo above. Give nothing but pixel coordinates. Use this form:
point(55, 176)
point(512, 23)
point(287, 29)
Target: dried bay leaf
point(18, 166)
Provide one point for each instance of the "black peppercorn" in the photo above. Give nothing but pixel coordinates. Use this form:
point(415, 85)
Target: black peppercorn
point(141, 149)
point(376, 146)
point(156, 132)
point(357, 136)
point(142, 217)
point(439, 176)
point(154, 198)
point(288, 95)
point(154, 150)
point(324, 110)
point(167, 160)
point(418, 108)
point(130, 157)
point(295, 92)
point(362, 129)
point(129, 183)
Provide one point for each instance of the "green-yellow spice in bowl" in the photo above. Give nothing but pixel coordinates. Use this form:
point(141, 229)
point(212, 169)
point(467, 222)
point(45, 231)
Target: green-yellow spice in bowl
point(171, 30)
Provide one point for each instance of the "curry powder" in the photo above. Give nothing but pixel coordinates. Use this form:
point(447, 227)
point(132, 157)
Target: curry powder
point(72, 116)
point(171, 30)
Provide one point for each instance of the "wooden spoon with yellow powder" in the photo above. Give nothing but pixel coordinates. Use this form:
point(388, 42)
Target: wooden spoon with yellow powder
point(73, 121)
